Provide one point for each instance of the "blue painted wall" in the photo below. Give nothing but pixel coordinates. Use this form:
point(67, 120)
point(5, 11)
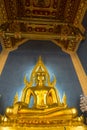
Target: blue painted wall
point(84, 22)
point(22, 61)
point(82, 51)
point(0, 48)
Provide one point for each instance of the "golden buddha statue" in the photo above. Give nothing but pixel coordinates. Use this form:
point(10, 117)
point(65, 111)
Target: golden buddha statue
point(47, 107)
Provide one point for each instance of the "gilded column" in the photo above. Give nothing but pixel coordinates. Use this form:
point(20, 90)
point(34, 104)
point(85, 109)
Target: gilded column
point(3, 57)
point(80, 72)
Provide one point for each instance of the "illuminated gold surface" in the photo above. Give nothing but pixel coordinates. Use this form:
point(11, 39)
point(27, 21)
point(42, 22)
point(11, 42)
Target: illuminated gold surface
point(47, 110)
point(46, 128)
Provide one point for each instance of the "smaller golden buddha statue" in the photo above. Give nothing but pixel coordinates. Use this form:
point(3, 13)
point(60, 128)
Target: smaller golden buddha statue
point(47, 107)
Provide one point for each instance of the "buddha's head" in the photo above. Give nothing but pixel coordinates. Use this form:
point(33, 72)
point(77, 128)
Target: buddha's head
point(40, 76)
point(40, 79)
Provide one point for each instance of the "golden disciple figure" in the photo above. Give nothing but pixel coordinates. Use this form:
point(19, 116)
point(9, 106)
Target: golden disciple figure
point(47, 107)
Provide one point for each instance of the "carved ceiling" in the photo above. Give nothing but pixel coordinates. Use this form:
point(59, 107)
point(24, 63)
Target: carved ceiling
point(55, 20)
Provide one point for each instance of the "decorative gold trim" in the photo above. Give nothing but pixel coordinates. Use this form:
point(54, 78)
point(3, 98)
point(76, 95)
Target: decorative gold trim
point(46, 128)
point(3, 15)
point(80, 14)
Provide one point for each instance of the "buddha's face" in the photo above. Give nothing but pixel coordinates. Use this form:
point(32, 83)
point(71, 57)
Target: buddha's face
point(40, 79)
